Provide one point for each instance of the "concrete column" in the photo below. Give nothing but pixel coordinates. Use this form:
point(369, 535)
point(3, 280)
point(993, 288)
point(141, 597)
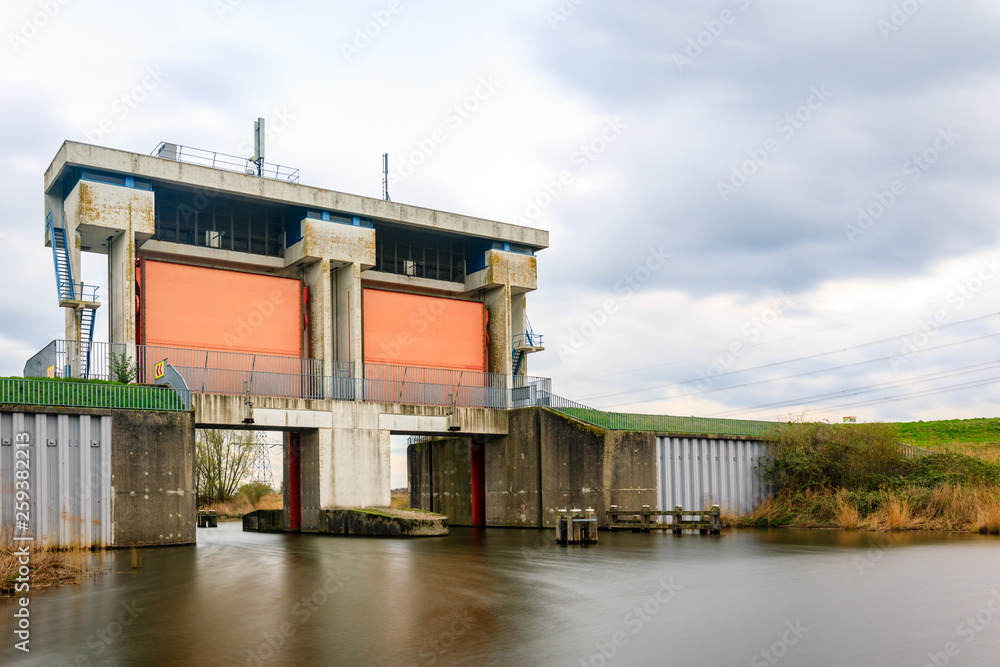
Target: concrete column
point(498, 305)
point(315, 447)
point(121, 287)
point(354, 462)
point(317, 278)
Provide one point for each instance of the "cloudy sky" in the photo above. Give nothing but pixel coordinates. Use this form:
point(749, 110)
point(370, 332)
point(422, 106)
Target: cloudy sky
point(757, 209)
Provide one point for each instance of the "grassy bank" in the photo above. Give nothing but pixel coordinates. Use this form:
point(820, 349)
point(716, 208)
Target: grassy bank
point(975, 437)
point(854, 477)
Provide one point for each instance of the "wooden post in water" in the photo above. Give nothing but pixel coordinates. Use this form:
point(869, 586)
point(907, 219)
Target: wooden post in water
point(678, 519)
point(645, 518)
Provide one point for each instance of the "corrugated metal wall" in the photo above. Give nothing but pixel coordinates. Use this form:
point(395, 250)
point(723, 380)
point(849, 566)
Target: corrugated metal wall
point(697, 473)
point(69, 476)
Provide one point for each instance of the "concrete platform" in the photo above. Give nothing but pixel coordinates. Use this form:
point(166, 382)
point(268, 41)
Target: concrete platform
point(383, 522)
point(380, 522)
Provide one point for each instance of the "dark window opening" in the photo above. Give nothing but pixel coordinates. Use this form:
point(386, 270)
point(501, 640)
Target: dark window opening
point(419, 254)
point(202, 220)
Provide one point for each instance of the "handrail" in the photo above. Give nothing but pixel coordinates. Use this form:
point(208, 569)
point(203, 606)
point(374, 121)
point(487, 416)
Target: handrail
point(216, 160)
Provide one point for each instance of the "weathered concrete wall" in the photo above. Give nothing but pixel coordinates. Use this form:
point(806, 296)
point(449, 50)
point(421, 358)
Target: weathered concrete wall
point(513, 473)
point(313, 443)
point(152, 468)
point(546, 462)
point(441, 478)
point(584, 466)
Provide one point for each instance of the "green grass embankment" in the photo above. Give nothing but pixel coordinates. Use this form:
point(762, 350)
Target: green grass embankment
point(854, 476)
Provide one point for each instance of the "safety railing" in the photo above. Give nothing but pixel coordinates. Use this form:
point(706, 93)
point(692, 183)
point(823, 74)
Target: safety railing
point(218, 160)
point(78, 291)
point(44, 392)
point(386, 383)
point(241, 373)
point(69, 359)
point(527, 339)
point(224, 372)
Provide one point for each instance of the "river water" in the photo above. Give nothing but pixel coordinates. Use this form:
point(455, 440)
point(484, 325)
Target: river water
point(512, 597)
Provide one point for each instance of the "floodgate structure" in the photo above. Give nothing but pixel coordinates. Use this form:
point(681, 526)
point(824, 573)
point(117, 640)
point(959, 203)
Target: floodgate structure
point(246, 300)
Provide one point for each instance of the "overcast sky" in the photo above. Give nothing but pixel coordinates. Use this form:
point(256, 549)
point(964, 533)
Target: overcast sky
point(741, 195)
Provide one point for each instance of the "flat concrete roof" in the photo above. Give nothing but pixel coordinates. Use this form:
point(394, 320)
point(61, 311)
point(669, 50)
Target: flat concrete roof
point(76, 154)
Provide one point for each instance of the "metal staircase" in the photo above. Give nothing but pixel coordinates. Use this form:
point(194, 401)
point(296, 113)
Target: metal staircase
point(523, 344)
point(81, 298)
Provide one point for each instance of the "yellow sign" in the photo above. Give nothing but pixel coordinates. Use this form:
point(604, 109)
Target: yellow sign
point(50, 371)
point(158, 371)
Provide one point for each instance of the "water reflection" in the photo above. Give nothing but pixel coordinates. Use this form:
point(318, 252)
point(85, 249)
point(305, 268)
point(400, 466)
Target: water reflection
point(513, 597)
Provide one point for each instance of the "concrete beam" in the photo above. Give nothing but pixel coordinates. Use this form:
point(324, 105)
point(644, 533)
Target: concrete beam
point(73, 153)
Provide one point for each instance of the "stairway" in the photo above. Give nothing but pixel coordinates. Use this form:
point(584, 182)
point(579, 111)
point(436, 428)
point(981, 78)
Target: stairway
point(72, 294)
point(86, 337)
point(60, 256)
point(524, 344)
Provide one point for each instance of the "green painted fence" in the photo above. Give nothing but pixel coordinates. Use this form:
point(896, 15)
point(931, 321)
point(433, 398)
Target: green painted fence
point(105, 395)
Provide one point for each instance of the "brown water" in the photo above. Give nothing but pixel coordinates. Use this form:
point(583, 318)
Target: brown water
point(511, 597)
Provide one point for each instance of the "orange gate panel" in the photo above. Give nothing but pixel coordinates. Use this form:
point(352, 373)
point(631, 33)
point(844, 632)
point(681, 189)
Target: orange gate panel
point(424, 331)
point(215, 309)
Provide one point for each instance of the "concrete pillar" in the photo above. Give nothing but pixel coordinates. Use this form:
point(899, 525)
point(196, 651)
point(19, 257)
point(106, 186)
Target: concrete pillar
point(120, 301)
point(347, 317)
point(498, 305)
point(320, 344)
point(355, 469)
point(314, 451)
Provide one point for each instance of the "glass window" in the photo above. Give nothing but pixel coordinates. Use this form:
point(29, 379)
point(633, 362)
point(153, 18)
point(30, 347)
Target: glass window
point(419, 254)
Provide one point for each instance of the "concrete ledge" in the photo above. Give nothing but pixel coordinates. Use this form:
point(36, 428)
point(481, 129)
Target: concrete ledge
point(264, 521)
point(382, 522)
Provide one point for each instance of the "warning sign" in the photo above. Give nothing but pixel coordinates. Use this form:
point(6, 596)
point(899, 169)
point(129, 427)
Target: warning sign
point(158, 371)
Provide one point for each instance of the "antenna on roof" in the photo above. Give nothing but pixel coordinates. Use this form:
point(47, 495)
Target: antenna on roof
point(258, 145)
point(385, 176)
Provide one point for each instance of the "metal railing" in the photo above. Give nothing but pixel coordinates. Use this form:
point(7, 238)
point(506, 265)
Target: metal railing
point(914, 452)
point(527, 339)
point(240, 373)
point(71, 361)
point(78, 291)
point(222, 372)
point(43, 392)
point(218, 160)
point(386, 383)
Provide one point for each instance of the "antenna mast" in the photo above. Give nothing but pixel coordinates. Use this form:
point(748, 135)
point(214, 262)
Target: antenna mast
point(385, 176)
point(258, 145)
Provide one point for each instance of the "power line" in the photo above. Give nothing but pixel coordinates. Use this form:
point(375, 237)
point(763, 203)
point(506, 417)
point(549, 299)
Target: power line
point(789, 361)
point(769, 342)
point(857, 391)
point(821, 370)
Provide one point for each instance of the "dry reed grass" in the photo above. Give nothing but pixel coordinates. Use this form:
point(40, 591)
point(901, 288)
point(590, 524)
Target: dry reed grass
point(400, 500)
point(241, 505)
point(49, 566)
point(848, 516)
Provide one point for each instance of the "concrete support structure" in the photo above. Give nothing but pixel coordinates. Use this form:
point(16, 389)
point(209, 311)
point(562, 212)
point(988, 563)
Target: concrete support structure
point(112, 202)
point(115, 221)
